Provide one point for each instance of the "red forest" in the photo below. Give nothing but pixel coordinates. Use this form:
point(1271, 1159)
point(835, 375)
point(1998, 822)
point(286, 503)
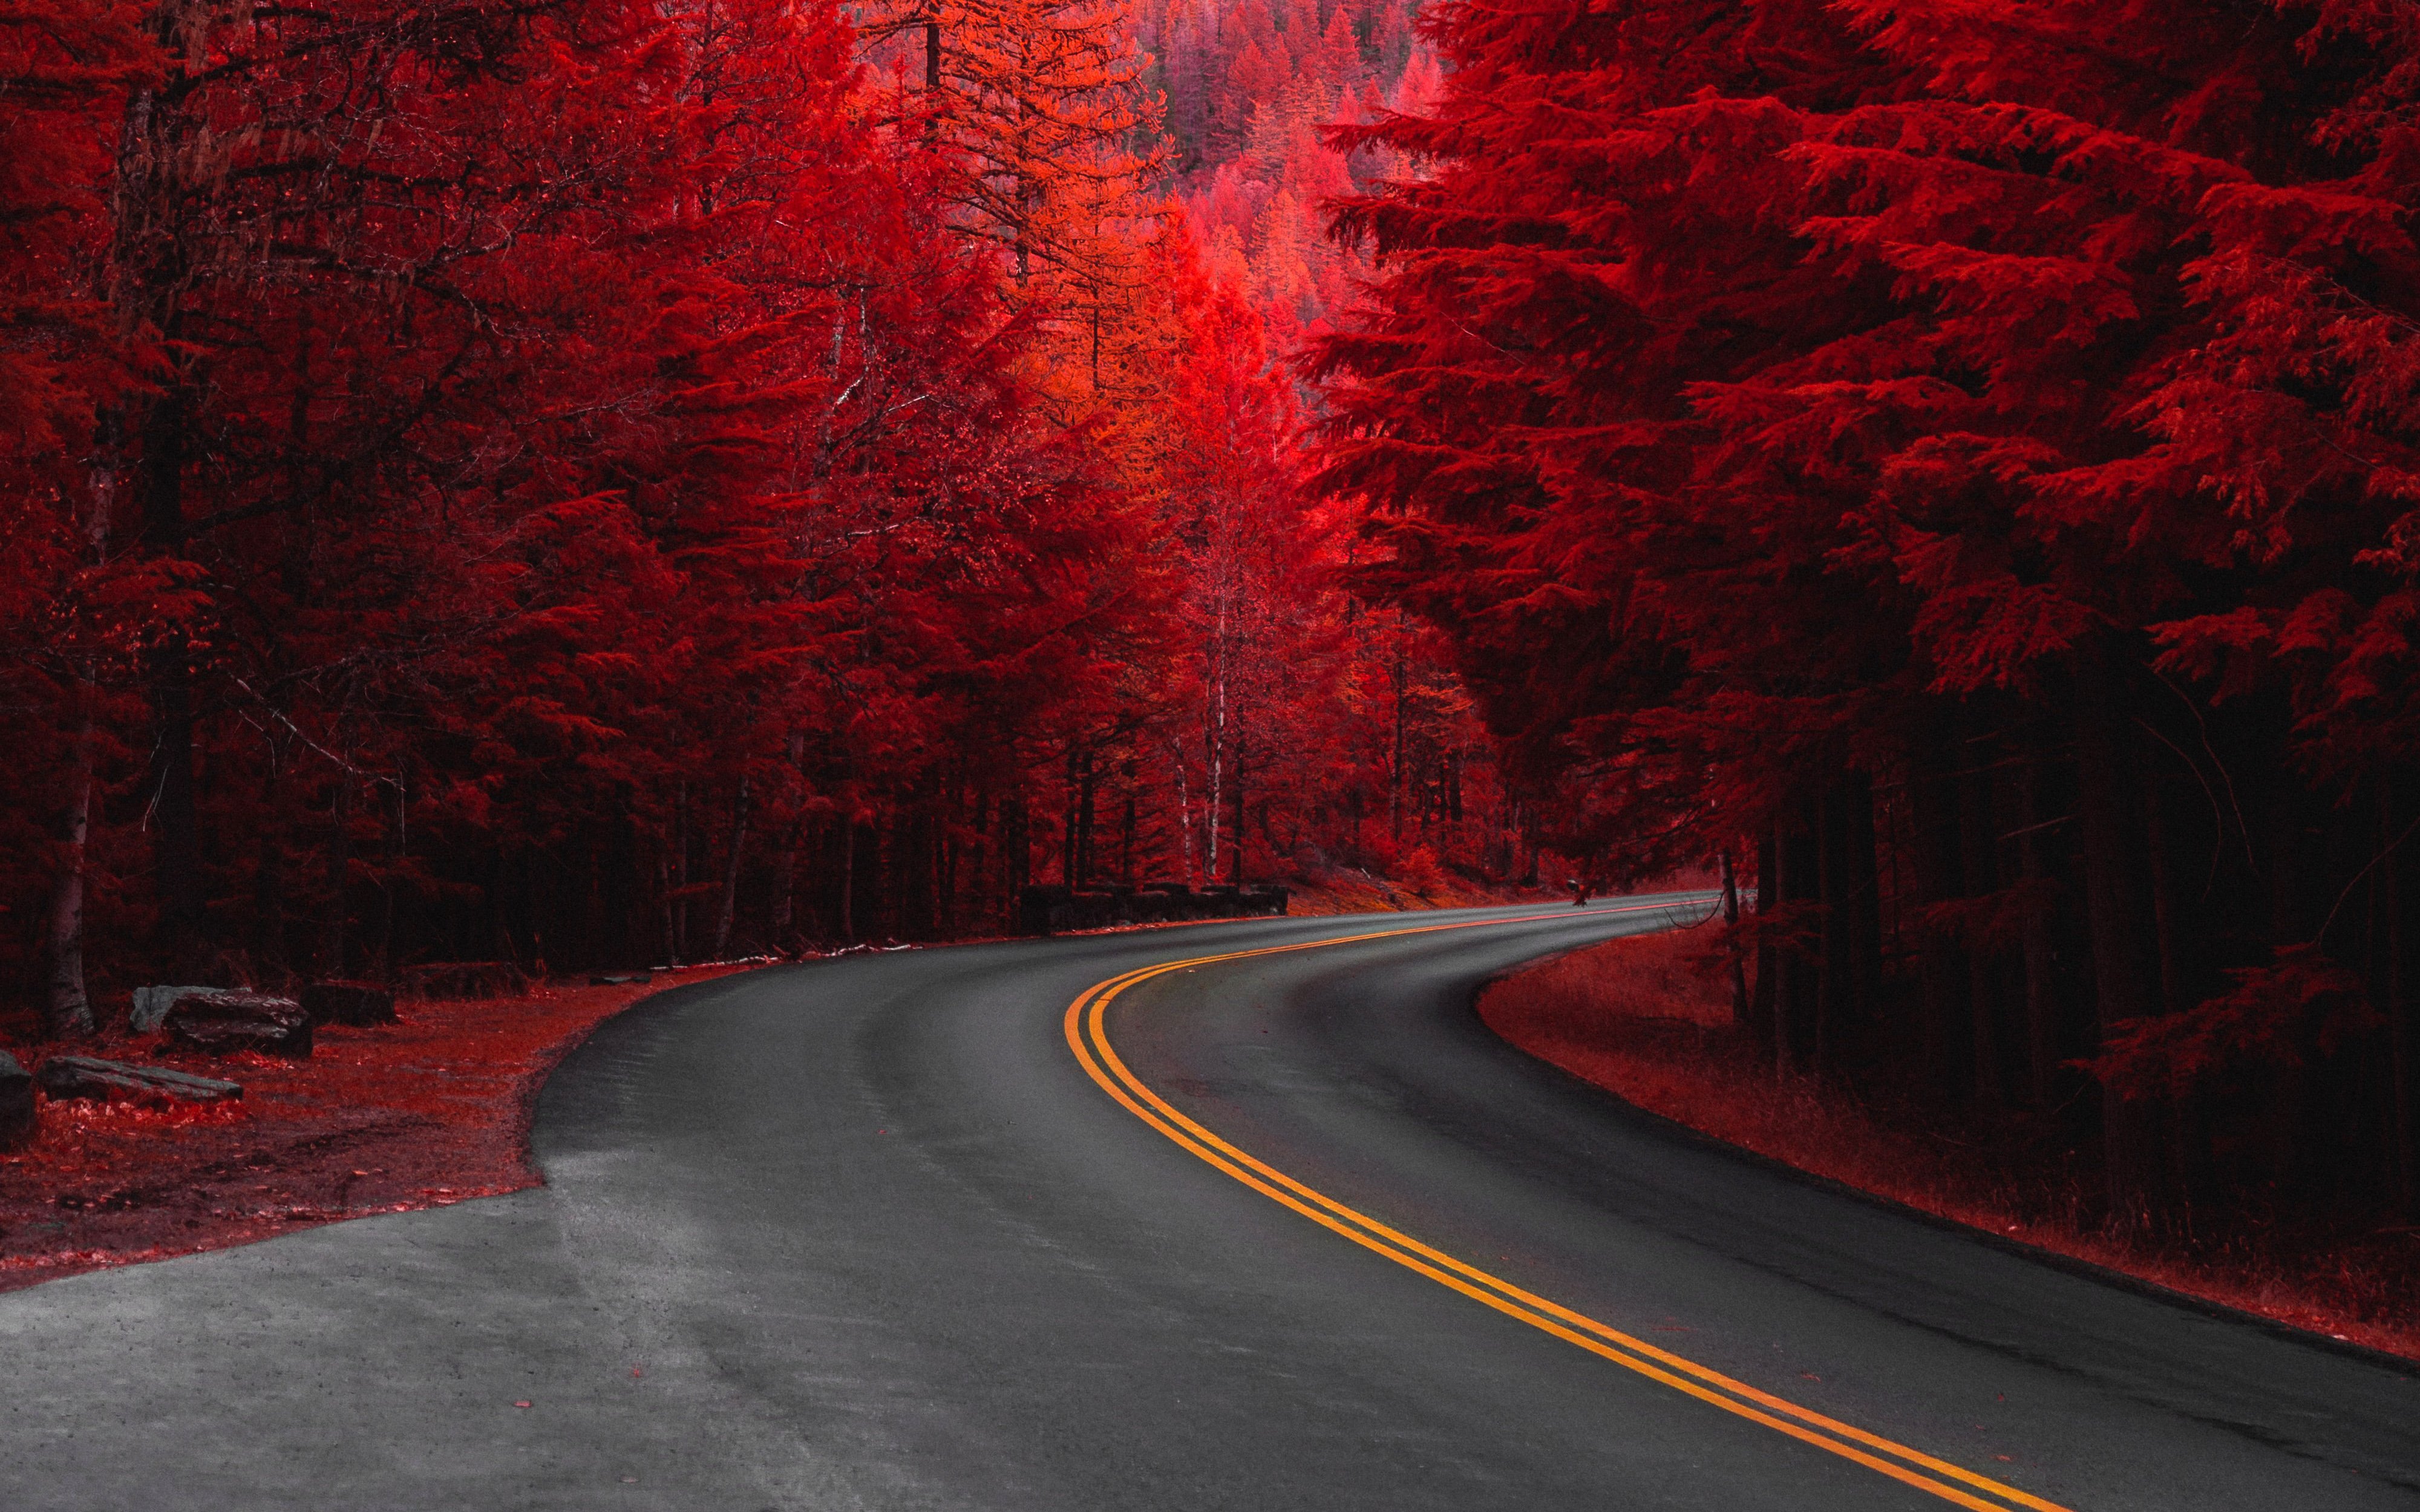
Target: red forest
point(1956, 458)
point(591, 483)
point(585, 482)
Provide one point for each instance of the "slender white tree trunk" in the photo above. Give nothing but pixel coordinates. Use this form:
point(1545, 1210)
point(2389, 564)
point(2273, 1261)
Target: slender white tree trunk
point(66, 1009)
point(1218, 743)
point(1184, 812)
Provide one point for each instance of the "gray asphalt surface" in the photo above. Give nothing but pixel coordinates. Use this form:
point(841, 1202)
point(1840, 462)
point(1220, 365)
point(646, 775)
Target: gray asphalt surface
point(861, 1233)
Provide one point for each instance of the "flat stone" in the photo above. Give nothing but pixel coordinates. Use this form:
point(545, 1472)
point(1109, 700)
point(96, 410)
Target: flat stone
point(16, 1116)
point(222, 1023)
point(64, 1078)
point(356, 1003)
point(151, 1005)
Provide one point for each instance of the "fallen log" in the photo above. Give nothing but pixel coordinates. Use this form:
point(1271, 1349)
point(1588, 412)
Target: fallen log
point(88, 1078)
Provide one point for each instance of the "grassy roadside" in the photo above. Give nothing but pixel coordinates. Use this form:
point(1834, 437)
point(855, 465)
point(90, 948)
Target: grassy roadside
point(1638, 1018)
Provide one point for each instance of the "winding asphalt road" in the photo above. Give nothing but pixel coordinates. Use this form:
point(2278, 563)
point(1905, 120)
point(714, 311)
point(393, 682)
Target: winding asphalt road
point(869, 1233)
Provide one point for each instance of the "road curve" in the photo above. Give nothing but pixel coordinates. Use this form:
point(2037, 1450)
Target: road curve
point(865, 1233)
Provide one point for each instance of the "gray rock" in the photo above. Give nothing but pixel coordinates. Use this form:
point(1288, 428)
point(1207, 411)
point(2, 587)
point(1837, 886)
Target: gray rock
point(66, 1077)
point(221, 1023)
point(151, 1005)
point(16, 1104)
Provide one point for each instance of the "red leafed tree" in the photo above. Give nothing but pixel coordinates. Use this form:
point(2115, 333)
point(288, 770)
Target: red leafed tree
point(1958, 451)
point(64, 74)
point(561, 483)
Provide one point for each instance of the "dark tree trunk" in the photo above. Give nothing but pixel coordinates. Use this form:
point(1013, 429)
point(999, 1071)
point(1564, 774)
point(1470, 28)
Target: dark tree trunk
point(665, 905)
point(681, 842)
point(2394, 893)
point(147, 198)
point(2124, 975)
point(1980, 868)
point(848, 880)
point(1794, 1002)
point(1089, 781)
point(383, 947)
point(1127, 843)
point(340, 860)
point(1762, 1008)
point(1740, 1017)
point(1943, 979)
point(66, 1009)
point(1068, 857)
point(911, 850)
point(786, 887)
point(729, 913)
point(1017, 847)
point(1851, 958)
point(269, 870)
point(2043, 978)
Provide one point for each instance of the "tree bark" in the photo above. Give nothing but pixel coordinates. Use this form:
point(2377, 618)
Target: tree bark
point(1794, 1001)
point(67, 1007)
point(1768, 898)
point(730, 911)
point(1852, 957)
point(340, 859)
point(2041, 951)
point(848, 880)
point(1942, 979)
point(1739, 1017)
point(67, 1010)
point(2123, 978)
point(150, 252)
point(680, 873)
point(2406, 1146)
point(1979, 856)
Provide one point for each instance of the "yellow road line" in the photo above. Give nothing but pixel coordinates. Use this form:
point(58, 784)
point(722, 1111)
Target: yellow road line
point(1088, 1036)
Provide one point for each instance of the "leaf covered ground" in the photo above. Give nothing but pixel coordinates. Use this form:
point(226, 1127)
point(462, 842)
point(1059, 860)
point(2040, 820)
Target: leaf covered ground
point(418, 1114)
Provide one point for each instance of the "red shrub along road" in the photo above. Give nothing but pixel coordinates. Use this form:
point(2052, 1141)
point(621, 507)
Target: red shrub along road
point(1641, 1019)
point(417, 1114)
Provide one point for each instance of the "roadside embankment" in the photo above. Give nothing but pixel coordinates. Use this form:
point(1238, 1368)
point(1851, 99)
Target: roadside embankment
point(1641, 1018)
point(417, 1114)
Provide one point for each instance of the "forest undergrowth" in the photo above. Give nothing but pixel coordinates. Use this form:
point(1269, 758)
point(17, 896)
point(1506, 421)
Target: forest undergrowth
point(1649, 1018)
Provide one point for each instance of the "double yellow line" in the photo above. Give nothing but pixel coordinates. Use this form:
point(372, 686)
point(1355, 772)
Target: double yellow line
point(1087, 1035)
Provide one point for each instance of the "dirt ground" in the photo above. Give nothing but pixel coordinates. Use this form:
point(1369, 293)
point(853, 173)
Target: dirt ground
point(417, 1114)
point(1641, 1018)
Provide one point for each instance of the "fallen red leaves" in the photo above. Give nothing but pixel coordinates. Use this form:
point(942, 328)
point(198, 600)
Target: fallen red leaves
point(1636, 1019)
point(419, 1114)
